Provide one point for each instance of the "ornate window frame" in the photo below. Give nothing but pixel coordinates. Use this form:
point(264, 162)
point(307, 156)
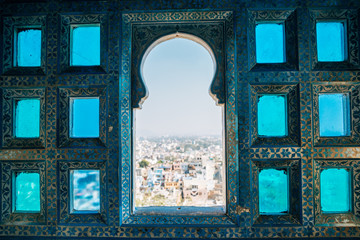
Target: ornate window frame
point(65, 216)
point(350, 18)
point(291, 91)
point(7, 215)
point(64, 95)
point(10, 24)
point(351, 218)
point(8, 107)
point(289, 18)
point(66, 20)
point(353, 90)
point(294, 216)
point(133, 92)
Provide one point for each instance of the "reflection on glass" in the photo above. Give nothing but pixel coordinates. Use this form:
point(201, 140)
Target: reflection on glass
point(179, 130)
point(27, 118)
point(85, 187)
point(270, 43)
point(85, 45)
point(27, 192)
point(334, 115)
point(330, 38)
point(273, 191)
point(335, 190)
point(28, 48)
point(272, 115)
point(84, 117)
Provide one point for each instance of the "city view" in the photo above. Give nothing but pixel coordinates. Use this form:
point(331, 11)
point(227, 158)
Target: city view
point(179, 171)
point(178, 131)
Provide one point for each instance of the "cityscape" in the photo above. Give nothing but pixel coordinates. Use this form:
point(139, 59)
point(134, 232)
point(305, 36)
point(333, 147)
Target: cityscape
point(179, 171)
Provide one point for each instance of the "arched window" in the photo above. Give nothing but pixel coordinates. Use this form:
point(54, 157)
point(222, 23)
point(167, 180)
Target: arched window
point(178, 132)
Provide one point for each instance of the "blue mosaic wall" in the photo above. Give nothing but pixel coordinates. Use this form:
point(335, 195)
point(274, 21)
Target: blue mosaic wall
point(126, 29)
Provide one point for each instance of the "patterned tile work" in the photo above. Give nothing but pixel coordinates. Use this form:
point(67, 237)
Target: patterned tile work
point(232, 19)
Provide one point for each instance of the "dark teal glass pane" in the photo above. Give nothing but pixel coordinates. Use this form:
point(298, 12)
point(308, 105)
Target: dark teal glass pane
point(335, 190)
point(85, 45)
point(27, 192)
point(273, 191)
point(85, 190)
point(272, 115)
point(330, 41)
point(84, 117)
point(28, 48)
point(334, 115)
point(270, 43)
point(27, 118)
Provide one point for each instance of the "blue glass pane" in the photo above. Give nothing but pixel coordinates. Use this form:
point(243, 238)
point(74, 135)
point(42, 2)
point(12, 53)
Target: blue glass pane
point(28, 48)
point(273, 191)
point(85, 190)
point(27, 118)
point(27, 192)
point(330, 41)
point(335, 190)
point(85, 46)
point(84, 117)
point(272, 120)
point(270, 43)
point(334, 115)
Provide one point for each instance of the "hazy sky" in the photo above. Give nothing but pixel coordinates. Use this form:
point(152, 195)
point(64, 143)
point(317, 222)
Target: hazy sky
point(178, 74)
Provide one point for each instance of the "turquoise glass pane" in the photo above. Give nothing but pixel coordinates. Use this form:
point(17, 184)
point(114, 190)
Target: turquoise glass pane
point(335, 190)
point(27, 118)
point(270, 43)
point(28, 48)
point(84, 117)
point(273, 191)
point(27, 192)
point(85, 190)
point(272, 120)
point(334, 115)
point(85, 45)
point(330, 41)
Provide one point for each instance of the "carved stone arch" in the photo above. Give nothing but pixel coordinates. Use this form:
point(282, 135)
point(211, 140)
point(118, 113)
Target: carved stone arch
point(146, 37)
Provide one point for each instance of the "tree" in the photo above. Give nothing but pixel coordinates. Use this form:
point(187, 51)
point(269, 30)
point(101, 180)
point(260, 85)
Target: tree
point(143, 163)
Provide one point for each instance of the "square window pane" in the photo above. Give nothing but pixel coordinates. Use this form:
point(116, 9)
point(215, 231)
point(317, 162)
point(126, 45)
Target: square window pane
point(28, 48)
point(84, 117)
point(270, 43)
point(272, 115)
point(273, 191)
point(85, 187)
point(85, 45)
point(334, 115)
point(27, 192)
point(335, 190)
point(330, 37)
point(27, 118)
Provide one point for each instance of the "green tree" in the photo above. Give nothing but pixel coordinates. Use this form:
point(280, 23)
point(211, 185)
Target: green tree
point(143, 163)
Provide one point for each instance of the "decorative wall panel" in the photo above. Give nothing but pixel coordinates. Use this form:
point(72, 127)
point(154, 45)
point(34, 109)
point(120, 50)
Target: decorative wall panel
point(127, 29)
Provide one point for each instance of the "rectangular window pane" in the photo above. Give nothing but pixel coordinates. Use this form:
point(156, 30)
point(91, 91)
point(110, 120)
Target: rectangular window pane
point(27, 192)
point(273, 191)
point(85, 189)
point(28, 48)
point(27, 118)
point(334, 115)
point(330, 38)
point(84, 117)
point(270, 43)
point(272, 115)
point(85, 45)
point(335, 190)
